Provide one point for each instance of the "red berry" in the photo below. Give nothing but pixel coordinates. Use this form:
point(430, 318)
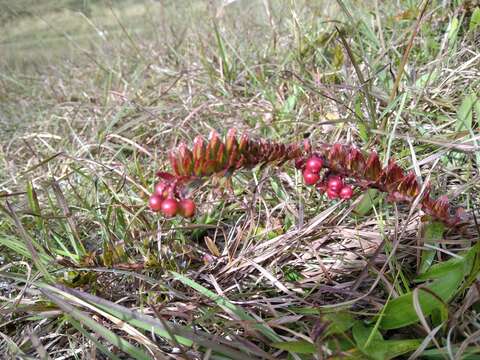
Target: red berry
point(346, 192)
point(155, 202)
point(314, 164)
point(169, 207)
point(187, 208)
point(310, 178)
point(331, 194)
point(335, 183)
point(160, 188)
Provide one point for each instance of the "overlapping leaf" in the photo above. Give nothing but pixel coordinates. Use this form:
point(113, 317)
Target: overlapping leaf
point(214, 156)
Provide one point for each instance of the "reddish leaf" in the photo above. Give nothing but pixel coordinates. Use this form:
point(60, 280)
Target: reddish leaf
point(166, 176)
point(409, 185)
point(213, 145)
point(186, 157)
point(174, 163)
point(392, 176)
point(373, 168)
point(355, 161)
point(208, 167)
point(198, 148)
point(221, 159)
point(243, 144)
point(231, 144)
point(198, 167)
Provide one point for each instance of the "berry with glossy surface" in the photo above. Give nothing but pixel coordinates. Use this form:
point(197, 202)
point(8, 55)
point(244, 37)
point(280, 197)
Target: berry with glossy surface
point(335, 183)
point(331, 194)
point(187, 208)
point(155, 202)
point(310, 178)
point(346, 192)
point(169, 207)
point(160, 188)
point(314, 164)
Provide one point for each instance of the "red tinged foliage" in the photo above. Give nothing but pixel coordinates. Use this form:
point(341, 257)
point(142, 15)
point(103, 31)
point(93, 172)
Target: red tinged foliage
point(335, 163)
point(373, 168)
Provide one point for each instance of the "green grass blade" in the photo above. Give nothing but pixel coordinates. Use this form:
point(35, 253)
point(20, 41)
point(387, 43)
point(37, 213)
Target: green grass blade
point(101, 330)
point(228, 306)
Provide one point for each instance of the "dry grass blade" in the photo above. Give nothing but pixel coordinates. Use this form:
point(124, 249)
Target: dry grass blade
point(183, 335)
point(267, 267)
point(95, 326)
point(407, 51)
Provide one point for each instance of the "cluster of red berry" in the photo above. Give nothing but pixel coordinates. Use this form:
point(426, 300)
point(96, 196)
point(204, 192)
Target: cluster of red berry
point(332, 185)
point(163, 199)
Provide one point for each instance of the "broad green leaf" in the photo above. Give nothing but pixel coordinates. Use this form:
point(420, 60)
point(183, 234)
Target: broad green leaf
point(438, 271)
point(433, 232)
point(362, 334)
point(390, 349)
point(371, 343)
point(474, 20)
point(400, 311)
point(473, 264)
point(465, 113)
point(339, 344)
point(300, 346)
point(339, 322)
point(447, 278)
point(476, 106)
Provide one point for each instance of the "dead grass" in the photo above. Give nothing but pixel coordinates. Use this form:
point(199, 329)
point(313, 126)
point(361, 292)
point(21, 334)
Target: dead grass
point(268, 269)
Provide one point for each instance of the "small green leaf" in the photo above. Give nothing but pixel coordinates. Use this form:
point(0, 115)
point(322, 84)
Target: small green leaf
point(291, 102)
point(338, 57)
point(474, 20)
point(465, 113)
point(300, 346)
point(433, 232)
point(369, 199)
point(453, 29)
point(339, 322)
point(363, 131)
